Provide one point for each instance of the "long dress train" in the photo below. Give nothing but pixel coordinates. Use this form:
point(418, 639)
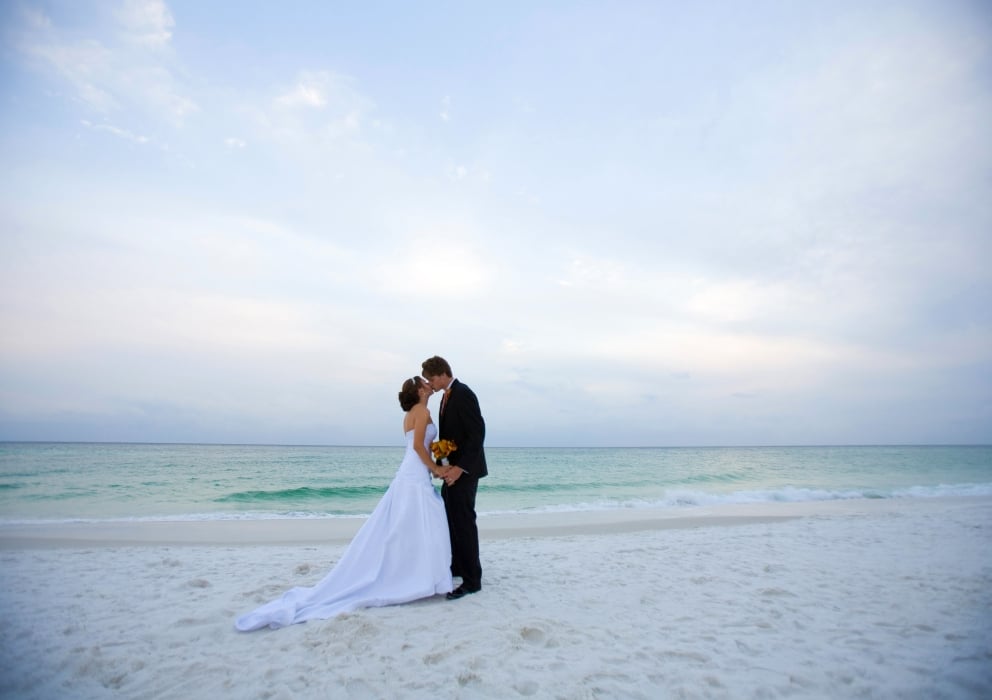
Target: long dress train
point(401, 553)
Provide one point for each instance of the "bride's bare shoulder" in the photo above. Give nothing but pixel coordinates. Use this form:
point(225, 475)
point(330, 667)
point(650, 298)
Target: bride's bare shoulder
point(418, 415)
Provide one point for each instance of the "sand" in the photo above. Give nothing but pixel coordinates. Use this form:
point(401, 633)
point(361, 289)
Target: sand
point(877, 599)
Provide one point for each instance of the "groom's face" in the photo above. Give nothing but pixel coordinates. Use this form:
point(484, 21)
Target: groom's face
point(438, 382)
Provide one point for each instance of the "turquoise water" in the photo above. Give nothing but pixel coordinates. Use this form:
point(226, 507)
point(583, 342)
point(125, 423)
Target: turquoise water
point(68, 481)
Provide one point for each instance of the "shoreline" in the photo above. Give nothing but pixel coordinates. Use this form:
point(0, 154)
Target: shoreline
point(334, 531)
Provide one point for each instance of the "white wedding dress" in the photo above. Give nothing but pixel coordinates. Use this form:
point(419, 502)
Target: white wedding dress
point(401, 553)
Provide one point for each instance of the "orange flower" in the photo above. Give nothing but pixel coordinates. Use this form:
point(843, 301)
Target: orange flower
point(442, 448)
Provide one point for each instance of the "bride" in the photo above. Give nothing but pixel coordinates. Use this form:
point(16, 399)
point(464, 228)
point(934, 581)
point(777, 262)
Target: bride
point(401, 553)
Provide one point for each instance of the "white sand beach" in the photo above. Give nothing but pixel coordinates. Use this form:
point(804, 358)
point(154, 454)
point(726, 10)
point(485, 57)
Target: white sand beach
point(842, 599)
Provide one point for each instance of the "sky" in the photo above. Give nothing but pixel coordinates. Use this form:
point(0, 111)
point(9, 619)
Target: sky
point(622, 223)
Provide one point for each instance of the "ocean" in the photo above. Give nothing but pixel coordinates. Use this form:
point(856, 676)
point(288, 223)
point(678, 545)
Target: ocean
point(66, 482)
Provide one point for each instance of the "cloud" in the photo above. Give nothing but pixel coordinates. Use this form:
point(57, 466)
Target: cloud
point(216, 286)
point(85, 65)
point(309, 91)
point(332, 94)
point(147, 22)
point(130, 71)
point(116, 131)
point(320, 109)
point(434, 265)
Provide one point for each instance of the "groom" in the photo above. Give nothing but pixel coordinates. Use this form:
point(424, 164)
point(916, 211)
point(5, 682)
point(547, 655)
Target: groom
point(461, 422)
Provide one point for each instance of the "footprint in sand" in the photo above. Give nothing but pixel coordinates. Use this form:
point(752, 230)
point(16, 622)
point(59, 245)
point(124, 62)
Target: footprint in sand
point(527, 688)
point(532, 634)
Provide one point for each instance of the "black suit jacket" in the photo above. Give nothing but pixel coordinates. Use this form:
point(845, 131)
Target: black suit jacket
point(461, 421)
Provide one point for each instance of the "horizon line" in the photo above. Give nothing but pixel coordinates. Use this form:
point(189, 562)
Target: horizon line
point(514, 447)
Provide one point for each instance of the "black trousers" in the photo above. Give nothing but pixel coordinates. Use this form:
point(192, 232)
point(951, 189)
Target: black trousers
point(459, 506)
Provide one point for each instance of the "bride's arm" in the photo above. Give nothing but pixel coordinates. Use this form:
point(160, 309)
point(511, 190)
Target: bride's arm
point(420, 420)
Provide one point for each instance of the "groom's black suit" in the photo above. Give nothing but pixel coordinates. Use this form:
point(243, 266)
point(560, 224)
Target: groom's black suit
point(461, 421)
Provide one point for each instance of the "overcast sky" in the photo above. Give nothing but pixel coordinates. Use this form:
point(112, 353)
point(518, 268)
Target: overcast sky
point(623, 223)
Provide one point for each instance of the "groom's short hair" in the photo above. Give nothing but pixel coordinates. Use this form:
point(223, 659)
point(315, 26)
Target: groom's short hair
point(435, 367)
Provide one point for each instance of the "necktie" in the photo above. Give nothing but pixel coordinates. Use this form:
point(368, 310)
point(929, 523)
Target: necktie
point(444, 399)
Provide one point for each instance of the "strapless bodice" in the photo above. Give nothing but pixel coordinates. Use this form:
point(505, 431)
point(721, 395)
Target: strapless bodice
point(412, 466)
point(429, 434)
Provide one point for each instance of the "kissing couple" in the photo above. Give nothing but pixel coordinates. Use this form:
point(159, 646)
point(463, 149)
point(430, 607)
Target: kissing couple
point(415, 541)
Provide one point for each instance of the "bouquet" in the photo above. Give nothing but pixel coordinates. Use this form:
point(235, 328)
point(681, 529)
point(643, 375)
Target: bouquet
point(442, 448)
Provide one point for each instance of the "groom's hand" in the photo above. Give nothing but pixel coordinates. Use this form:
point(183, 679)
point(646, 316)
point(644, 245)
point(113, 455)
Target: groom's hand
point(453, 474)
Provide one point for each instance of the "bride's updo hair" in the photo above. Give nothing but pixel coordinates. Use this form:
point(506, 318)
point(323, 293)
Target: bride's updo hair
point(410, 394)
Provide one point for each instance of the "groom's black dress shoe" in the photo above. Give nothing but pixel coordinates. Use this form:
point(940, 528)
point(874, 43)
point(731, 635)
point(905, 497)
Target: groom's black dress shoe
point(461, 591)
